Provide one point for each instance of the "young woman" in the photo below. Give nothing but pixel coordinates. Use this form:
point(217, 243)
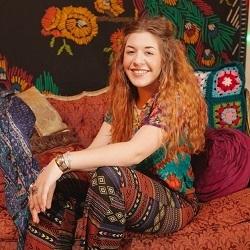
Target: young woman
point(136, 175)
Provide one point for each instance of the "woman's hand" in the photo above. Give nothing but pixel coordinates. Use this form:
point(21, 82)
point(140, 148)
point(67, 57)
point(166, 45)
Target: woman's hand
point(42, 190)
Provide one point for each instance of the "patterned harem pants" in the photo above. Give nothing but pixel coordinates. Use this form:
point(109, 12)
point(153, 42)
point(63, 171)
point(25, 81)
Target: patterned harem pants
point(110, 201)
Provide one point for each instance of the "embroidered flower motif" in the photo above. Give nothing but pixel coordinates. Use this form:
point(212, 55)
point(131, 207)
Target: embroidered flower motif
point(228, 115)
point(116, 39)
point(19, 79)
point(212, 30)
point(50, 21)
point(78, 24)
point(208, 58)
point(191, 33)
point(4, 73)
point(111, 7)
point(170, 2)
point(227, 81)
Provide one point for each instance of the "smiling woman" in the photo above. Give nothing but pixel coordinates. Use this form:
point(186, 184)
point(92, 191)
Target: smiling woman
point(153, 175)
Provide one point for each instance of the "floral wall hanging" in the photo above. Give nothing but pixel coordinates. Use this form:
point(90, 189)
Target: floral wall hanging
point(66, 47)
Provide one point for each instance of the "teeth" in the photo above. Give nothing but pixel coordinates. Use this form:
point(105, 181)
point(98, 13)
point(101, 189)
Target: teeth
point(140, 71)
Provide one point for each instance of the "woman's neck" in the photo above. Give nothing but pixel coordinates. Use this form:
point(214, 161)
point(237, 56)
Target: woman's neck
point(143, 96)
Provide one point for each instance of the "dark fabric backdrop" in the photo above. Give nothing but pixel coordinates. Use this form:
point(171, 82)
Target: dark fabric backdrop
point(214, 32)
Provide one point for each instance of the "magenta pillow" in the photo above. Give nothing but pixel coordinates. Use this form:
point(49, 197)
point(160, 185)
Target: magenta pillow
point(224, 166)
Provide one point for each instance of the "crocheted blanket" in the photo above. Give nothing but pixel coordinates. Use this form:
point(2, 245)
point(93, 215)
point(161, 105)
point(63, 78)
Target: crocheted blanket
point(16, 161)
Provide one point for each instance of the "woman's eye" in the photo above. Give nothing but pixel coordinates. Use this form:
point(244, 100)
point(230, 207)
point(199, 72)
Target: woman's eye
point(129, 52)
point(149, 53)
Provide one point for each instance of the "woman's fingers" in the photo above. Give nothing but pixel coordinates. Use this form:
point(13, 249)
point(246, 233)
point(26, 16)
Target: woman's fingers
point(33, 211)
point(36, 204)
point(41, 192)
point(31, 203)
point(35, 217)
point(50, 196)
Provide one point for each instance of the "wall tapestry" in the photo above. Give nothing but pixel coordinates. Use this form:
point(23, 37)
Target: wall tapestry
point(65, 47)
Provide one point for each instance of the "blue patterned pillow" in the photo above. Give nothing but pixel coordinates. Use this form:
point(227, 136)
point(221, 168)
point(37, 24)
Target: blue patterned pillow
point(20, 112)
point(223, 89)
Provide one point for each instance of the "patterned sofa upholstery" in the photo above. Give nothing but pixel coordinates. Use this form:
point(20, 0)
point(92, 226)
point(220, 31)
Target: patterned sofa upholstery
point(222, 223)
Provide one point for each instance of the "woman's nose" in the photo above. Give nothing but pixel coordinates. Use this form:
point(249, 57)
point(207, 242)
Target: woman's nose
point(138, 59)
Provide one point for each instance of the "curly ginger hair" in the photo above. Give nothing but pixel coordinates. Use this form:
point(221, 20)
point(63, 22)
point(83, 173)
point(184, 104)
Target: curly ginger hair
point(184, 111)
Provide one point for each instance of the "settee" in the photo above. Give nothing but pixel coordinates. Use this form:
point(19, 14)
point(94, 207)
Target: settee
point(67, 123)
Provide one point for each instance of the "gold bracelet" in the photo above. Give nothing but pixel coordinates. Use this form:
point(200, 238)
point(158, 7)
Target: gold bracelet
point(68, 158)
point(60, 162)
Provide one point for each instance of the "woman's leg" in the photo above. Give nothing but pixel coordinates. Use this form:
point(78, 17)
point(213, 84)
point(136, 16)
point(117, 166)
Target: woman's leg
point(120, 197)
point(57, 225)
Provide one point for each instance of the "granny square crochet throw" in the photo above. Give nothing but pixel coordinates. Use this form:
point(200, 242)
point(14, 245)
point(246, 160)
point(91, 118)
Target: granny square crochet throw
point(223, 89)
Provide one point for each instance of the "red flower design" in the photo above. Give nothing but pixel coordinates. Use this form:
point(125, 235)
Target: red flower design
point(228, 81)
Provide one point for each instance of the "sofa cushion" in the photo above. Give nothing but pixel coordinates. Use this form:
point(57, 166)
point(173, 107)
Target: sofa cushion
point(83, 116)
point(223, 88)
point(223, 167)
point(48, 121)
point(46, 148)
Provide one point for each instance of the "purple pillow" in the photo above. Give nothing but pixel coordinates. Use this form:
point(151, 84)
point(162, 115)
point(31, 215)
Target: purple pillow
point(224, 166)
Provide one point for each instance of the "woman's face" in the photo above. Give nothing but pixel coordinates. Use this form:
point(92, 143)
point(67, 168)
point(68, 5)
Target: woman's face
point(142, 60)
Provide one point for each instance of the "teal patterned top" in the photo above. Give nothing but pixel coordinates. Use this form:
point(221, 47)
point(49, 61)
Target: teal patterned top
point(178, 176)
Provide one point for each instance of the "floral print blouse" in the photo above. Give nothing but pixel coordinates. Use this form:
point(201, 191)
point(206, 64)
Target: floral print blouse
point(176, 176)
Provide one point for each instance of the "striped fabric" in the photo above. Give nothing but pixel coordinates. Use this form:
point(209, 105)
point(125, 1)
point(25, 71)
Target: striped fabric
point(110, 200)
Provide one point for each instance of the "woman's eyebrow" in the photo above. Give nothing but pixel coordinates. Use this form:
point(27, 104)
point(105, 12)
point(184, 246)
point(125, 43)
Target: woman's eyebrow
point(147, 47)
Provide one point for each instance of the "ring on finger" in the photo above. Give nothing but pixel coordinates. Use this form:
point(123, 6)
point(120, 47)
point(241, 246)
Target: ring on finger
point(34, 189)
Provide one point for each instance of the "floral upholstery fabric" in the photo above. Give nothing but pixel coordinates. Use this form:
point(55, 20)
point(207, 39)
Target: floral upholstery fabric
point(83, 116)
point(220, 224)
point(8, 232)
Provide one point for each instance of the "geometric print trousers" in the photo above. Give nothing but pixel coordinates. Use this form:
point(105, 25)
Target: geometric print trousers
point(109, 201)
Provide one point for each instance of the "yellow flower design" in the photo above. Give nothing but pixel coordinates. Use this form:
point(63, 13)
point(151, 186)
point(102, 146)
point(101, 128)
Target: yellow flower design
point(113, 7)
point(78, 24)
point(170, 2)
point(4, 72)
point(3, 67)
point(19, 79)
point(191, 33)
point(208, 58)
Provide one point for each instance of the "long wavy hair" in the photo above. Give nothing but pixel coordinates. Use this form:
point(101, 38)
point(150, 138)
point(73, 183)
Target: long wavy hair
point(183, 106)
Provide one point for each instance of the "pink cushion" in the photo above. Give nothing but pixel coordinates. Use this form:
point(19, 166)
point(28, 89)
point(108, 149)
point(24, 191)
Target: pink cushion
point(224, 166)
